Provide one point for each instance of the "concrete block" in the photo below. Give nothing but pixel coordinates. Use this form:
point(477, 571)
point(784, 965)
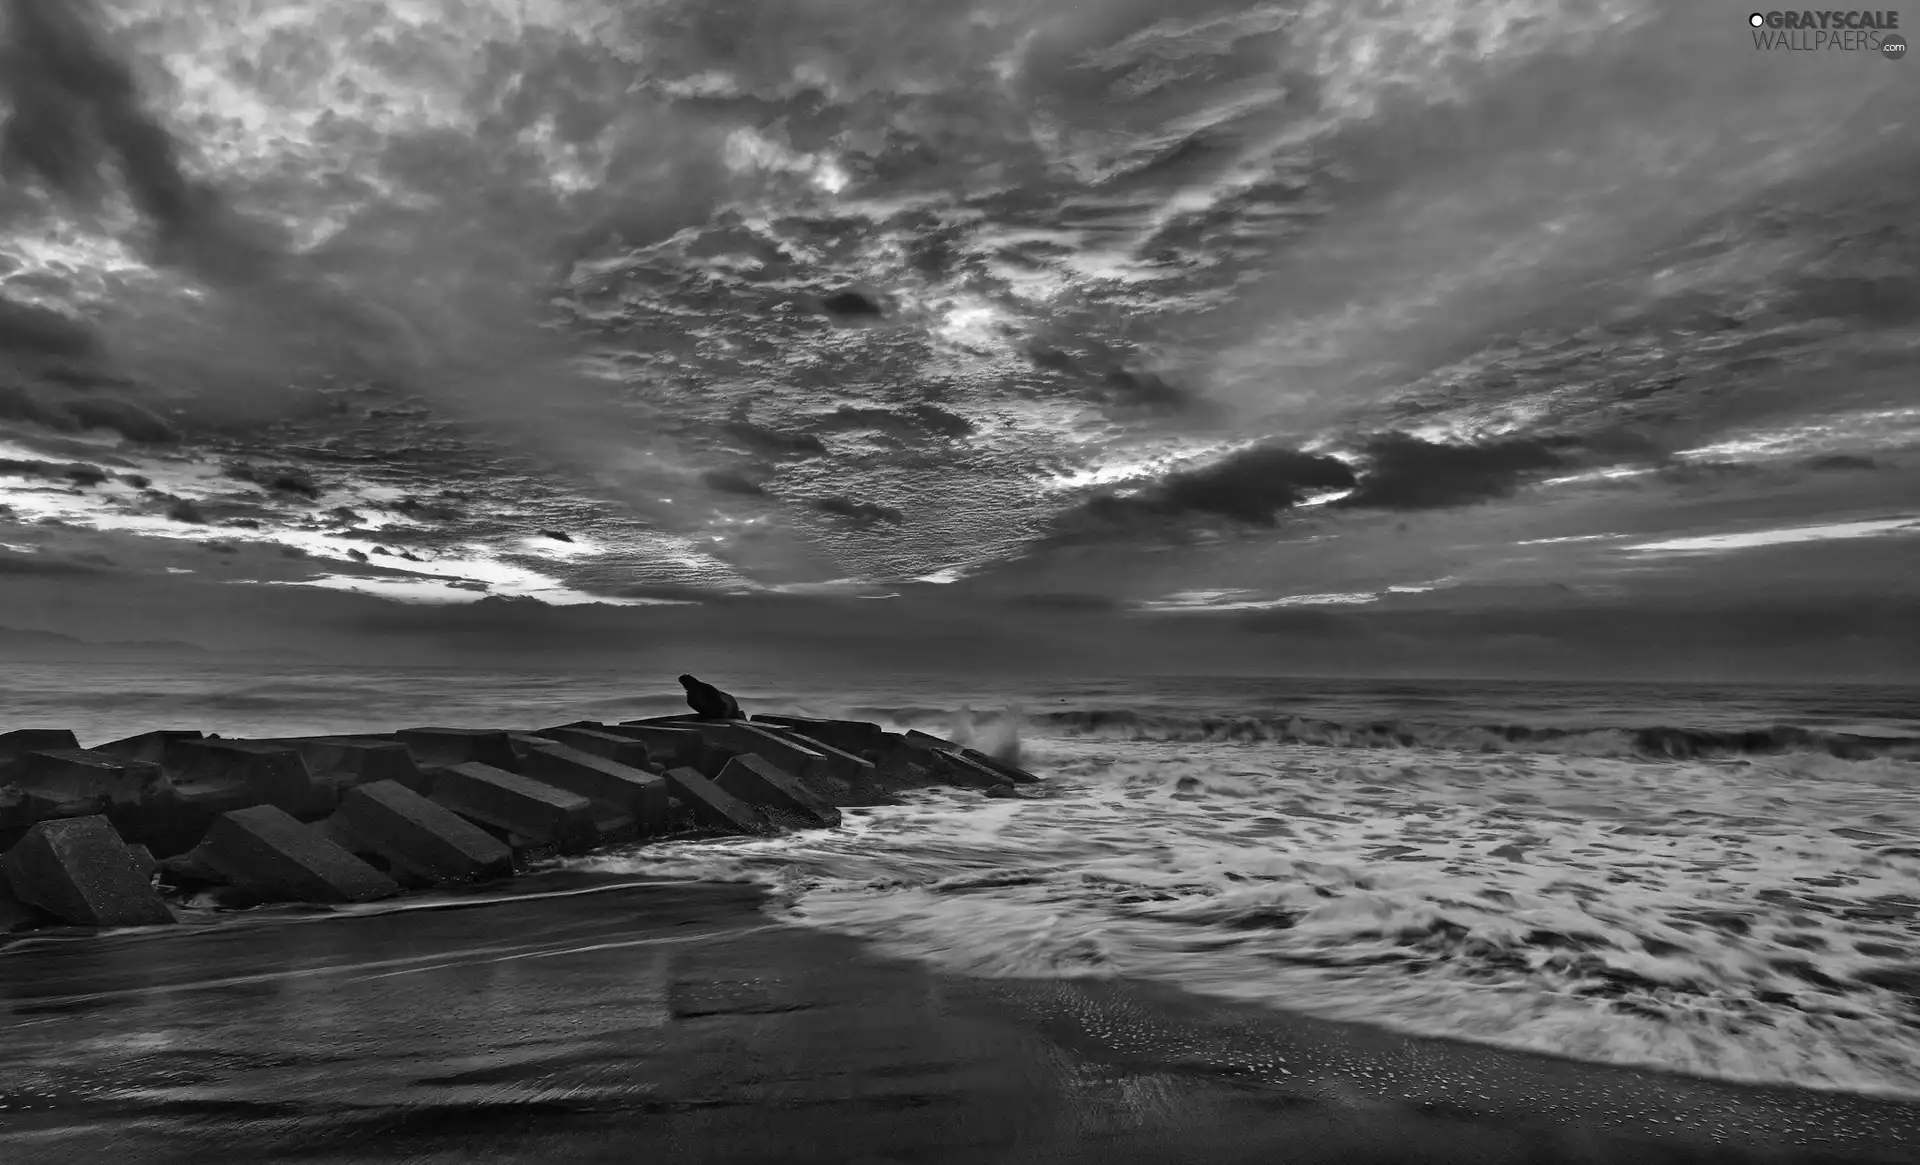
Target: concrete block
point(635, 792)
point(1018, 776)
point(612, 828)
point(343, 762)
point(20, 740)
point(851, 736)
point(759, 782)
point(667, 744)
point(79, 871)
point(151, 747)
point(925, 742)
point(519, 805)
point(713, 806)
point(943, 761)
point(456, 746)
point(619, 749)
point(741, 736)
point(272, 774)
point(16, 915)
point(955, 767)
point(263, 849)
point(844, 779)
point(76, 782)
point(421, 837)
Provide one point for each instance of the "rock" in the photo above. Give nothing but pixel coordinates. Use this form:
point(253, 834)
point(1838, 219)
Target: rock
point(190, 872)
point(344, 762)
point(710, 702)
point(1018, 776)
point(740, 736)
point(20, 740)
point(16, 915)
point(78, 782)
point(420, 837)
point(759, 782)
point(79, 871)
point(263, 849)
point(850, 780)
point(519, 806)
point(957, 768)
point(925, 742)
point(151, 747)
point(614, 828)
point(261, 772)
point(144, 862)
point(713, 806)
point(620, 749)
point(666, 744)
point(456, 746)
point(850, 736)
point(639, 794)
point(947, 762)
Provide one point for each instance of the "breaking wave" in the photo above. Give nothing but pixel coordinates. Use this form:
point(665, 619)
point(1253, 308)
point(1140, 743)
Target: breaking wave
point(1653, 741)
point(1754, 919)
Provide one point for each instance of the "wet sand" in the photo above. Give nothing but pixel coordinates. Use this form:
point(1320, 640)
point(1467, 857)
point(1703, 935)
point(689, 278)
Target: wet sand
point(619, 1021)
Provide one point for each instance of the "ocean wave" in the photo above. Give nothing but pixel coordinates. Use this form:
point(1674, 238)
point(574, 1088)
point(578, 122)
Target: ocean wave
point(1655, 741)
point(1749, 921)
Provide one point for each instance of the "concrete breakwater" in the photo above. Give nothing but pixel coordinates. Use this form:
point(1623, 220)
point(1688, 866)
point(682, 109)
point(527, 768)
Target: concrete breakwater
point(120, 833)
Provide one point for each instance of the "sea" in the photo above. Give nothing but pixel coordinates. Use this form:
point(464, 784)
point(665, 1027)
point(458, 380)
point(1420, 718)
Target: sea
point(1714, 879)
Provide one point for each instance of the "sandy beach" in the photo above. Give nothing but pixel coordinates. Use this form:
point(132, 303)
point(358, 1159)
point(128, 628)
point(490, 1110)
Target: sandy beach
point(583, 1018)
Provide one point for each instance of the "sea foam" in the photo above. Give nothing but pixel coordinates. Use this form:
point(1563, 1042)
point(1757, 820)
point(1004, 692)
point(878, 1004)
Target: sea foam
point(1749, 919)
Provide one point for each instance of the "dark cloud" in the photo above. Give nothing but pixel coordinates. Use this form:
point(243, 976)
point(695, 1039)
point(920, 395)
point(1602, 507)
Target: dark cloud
point(1251, 486)
point(85, 475)
point(863, 512)
point(26, 327)
point(77, 414)
point(283, 479)
point(1841, 463)
point(124, 417)
point(1403, 472)
point(774, 443)
point(75, 106)
point(424, 511)
point(728, 482)
point(1110, 380)
point(852, 303)
point(53, 566)
point(912, 422)
point(1145, 391)
point(186, 510)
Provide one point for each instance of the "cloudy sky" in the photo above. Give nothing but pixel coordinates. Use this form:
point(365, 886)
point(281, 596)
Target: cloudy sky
point(1403, 338)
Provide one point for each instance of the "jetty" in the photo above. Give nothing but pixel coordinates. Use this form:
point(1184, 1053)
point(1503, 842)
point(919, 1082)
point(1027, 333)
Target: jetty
point(128, 832)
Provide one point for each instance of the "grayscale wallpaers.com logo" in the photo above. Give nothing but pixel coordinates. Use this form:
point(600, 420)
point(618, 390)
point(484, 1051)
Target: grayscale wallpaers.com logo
point(1828, 31)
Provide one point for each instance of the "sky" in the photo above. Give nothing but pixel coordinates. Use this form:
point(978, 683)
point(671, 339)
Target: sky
point(1493, 338)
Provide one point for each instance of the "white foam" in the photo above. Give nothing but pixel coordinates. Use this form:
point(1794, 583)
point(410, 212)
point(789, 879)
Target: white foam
point(1697, 916)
